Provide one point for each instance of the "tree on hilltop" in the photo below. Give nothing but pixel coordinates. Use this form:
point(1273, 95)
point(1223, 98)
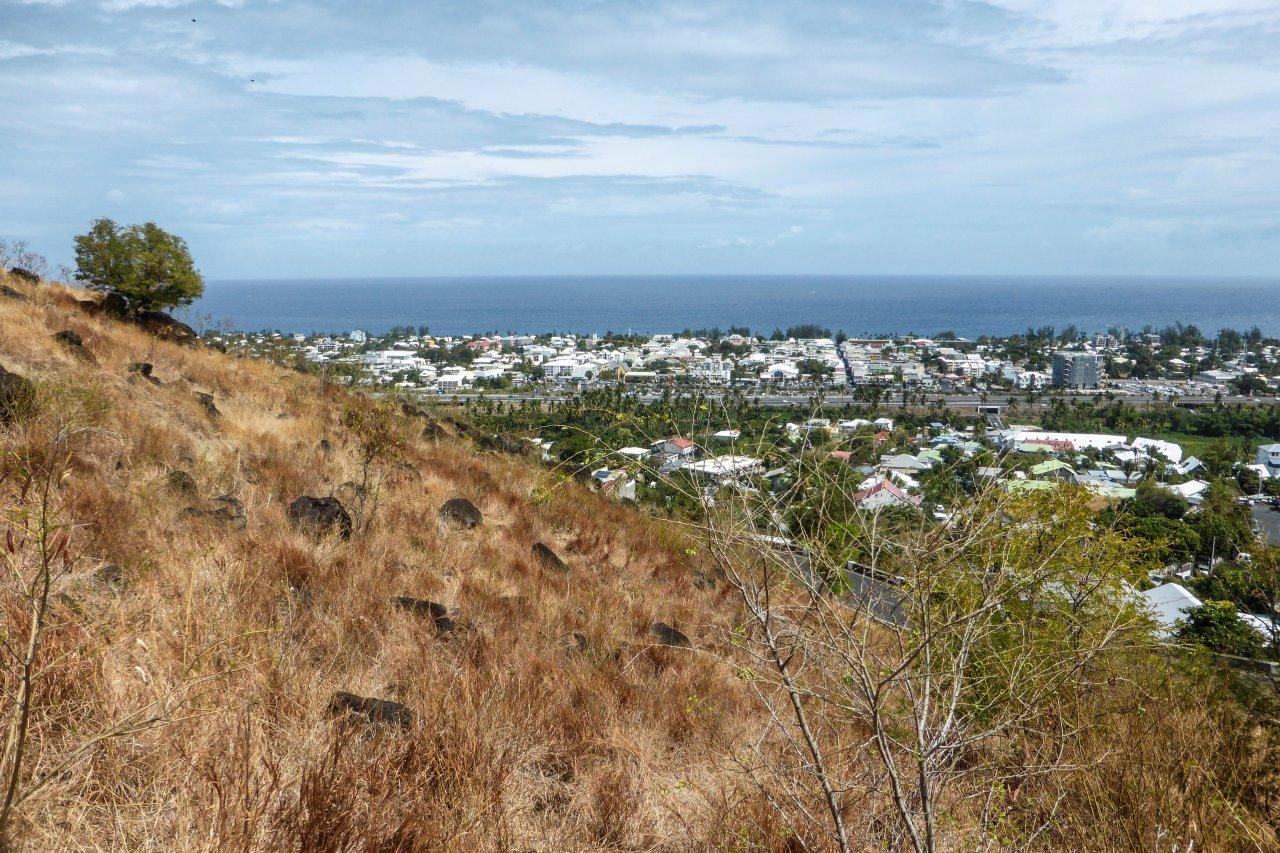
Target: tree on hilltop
point(143, 266)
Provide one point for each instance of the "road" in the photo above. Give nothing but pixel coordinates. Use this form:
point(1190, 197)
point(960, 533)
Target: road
point(955, 402)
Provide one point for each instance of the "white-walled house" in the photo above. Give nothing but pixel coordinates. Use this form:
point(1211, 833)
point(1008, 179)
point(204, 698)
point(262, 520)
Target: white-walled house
point(1269, 456)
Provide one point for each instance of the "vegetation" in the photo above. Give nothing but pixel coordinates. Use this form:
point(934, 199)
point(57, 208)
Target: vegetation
point(143, 266)
point(187, 658)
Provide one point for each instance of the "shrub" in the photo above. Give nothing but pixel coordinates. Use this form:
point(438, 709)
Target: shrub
point(143, 265)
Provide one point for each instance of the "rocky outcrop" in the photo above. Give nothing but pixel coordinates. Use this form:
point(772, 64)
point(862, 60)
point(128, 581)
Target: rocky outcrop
point(320, 516)
point(669, 636)
point(425, 607)
point(17, 397)
point(143, 369)
point(74, 343)
point(372, 711)
point(461, 512)
point(207, 403)
point(24, 275)
point(548, 558)
point(165, 327)
point(10, 293)
point(224, 509)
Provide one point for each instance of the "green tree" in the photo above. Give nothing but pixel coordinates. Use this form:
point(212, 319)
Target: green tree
point(1216, 625)
point(143, 266)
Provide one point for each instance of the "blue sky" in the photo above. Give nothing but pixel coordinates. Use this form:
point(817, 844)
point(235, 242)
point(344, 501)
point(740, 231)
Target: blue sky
point(298, 139)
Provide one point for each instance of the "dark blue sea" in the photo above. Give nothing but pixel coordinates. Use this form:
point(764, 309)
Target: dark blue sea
point(859, 304)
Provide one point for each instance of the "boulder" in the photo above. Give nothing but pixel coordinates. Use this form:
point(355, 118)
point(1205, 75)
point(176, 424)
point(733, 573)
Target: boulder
point(166, 328)
point(6, 290)
point(143, 369)
point(372, 710)
point(181, 482)
point(433, 431)
point(206, 402)
point(17, 397)
point(24, 275)
point(326, 446)
point(73, 342)
point(223, 509)
point(548, 558)
point(319, 516)
point(460, 511)
point(424, 607)
point(669, 636)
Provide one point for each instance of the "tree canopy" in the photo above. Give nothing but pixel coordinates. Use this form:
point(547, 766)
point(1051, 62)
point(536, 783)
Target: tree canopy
point(143, 265)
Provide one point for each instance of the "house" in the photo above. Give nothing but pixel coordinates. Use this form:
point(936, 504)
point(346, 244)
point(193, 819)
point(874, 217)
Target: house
point(883, 494)
point(1216, 377)
point(724, 468)
point(727, 435)
point(883, 424)
point(635, 452)
point(904, 462)
point(1167, 604)
point(1191, 490)
point(1054, 469)
point(849, 427)
point(1154, 446)
point(783, 372)
point(1269, 456)
point(674, 446)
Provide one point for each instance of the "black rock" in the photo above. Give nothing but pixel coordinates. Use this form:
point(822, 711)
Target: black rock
point(165, 327)
point(72, 341)
point(373, 710)
point(425, 607)
point(6, 290)
point(320, 516)
point(433, 431)
point(326, 446)
point(181, 482)
point(207, 403)
point(549, 558)
point(143, 369)
point(24, 275)
point(17, 397)
point(460, 511)
point(223, 509)
point(669, 636)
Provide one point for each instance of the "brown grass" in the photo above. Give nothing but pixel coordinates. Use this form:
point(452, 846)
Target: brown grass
point(522, 739)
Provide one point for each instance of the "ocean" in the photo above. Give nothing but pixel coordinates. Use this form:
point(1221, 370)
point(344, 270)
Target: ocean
point(859, 304)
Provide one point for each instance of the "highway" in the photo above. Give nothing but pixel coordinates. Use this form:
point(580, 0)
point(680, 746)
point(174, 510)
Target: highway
point(891, 400)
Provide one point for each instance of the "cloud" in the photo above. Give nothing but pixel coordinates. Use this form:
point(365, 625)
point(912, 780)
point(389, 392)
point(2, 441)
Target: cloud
point(948, 135)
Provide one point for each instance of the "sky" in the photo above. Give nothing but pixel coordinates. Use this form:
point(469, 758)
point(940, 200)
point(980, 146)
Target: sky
point(317, 138)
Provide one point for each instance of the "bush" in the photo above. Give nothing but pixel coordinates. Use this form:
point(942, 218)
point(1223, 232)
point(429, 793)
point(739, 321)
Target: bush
point(1216, 625)
point(144, 266)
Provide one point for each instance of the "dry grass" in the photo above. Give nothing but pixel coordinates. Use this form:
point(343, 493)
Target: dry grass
point(525, 736)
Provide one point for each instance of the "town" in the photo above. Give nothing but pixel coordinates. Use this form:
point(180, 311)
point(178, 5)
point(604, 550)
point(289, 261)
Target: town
point(1179, 430)
point(1175, 362)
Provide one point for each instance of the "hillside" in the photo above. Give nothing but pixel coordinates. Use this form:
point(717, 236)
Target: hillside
point(207, 658)
point(548, 712)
